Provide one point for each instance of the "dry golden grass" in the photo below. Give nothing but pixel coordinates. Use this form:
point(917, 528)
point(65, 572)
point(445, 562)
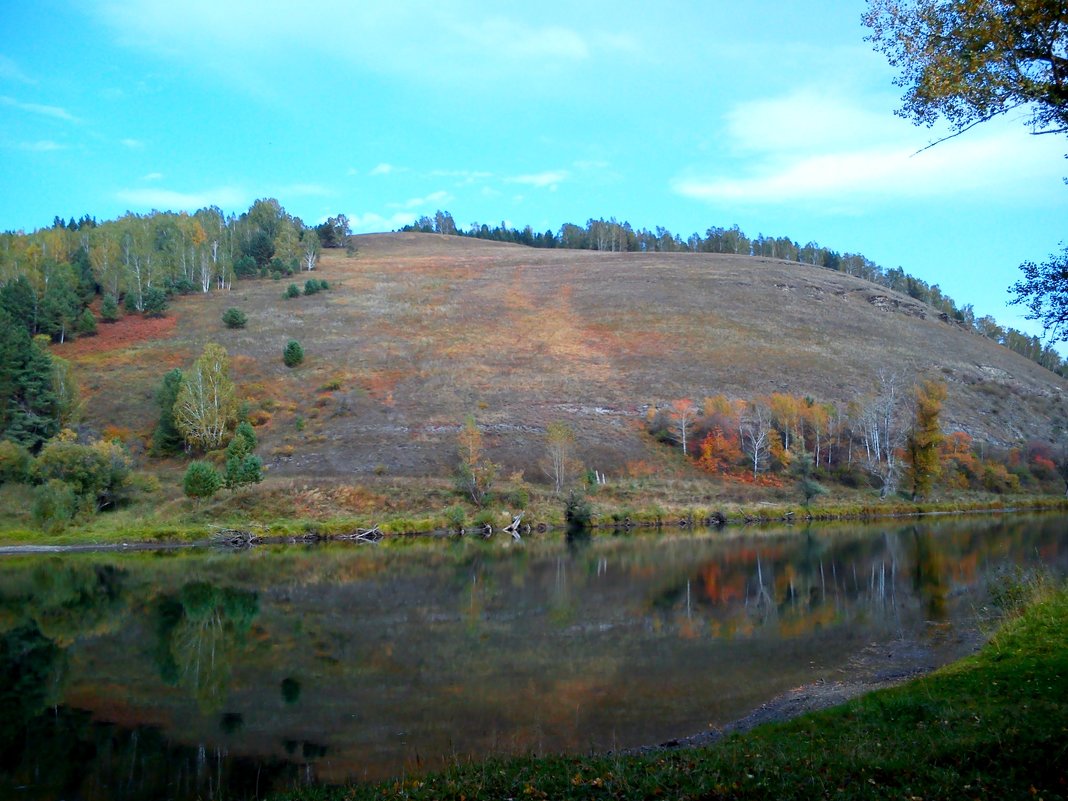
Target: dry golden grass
point(419, 330)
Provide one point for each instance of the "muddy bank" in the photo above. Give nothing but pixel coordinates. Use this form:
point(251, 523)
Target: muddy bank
point(876, 667)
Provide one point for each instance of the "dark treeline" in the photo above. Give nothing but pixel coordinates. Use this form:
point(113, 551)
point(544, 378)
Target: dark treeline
point(612, 235)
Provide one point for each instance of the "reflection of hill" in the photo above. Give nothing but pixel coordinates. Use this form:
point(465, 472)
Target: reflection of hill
point(355, 660)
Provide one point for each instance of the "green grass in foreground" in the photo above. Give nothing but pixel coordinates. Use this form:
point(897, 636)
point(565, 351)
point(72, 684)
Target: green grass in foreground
point(994, 725)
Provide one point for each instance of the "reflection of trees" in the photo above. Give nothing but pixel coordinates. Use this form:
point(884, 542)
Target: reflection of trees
point(928, 573)
point(31, 670)
point(796, 586)
point(68, 600)
point(200, 632)
point(63, 753)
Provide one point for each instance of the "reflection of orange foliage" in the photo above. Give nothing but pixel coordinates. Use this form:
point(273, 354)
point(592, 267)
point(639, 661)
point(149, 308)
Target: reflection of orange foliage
point(108, 703)
point(965, 567)
point(126, 332)
point(688, 629)
point(720, 452)
point(722, 589)
point(808, 620)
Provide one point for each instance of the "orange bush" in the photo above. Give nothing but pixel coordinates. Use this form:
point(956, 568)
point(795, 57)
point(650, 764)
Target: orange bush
point(719, 452)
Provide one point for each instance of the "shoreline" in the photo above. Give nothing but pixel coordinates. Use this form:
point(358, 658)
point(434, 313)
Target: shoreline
point(242, 536)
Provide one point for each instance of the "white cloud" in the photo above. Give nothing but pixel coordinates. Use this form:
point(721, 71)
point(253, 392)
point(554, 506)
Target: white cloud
point(375, 223)
point(504, 38)
point(152, 176)
point(549, 179)
point(451, 44)
point(37, 108)
point(42, 146)
point(809, 120)
point(439, 197)
point(382, 169)
point(808, 147)
point(167, 199)
point(133, 144)
point(463, 177)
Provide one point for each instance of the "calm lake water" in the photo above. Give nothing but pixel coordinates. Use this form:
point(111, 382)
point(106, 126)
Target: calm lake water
point(196, 674)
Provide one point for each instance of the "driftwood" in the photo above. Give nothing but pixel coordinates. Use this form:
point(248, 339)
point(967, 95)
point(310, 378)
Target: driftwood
point(513, 528)
point(372, 535)
point(235, 538)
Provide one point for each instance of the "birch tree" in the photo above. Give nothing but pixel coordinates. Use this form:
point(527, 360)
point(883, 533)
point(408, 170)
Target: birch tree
point(683, 413)
point(559, 445)
point(883, 431)
point(311, 247)
point(755, 432)
point(475, 473)
point(206, 402)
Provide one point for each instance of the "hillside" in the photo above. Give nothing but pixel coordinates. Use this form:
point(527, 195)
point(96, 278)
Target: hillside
point(420, 330)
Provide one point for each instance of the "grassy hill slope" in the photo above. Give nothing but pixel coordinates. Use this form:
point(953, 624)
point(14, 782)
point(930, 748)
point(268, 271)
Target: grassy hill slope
point(420, 330)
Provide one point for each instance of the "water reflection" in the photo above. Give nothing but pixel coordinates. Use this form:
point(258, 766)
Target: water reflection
point(200, 630)
point(137, 676)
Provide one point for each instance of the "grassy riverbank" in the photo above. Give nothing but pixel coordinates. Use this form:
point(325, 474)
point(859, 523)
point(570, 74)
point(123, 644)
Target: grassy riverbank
point(412, 507)
point(994, 725)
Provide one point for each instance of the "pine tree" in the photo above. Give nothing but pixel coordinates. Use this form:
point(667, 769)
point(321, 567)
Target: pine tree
point(29, 409)
point(921, 447)
point(201, 480)
point(293, 354)
point(109, 309)
point(167, 438)
point(87, 324)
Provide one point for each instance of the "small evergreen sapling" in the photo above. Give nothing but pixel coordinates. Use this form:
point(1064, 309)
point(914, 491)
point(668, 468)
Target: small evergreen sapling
point(201, 480)
point(293, 354)
point(155, 302)
point(242, 466)
point(109, 309)
point(234, 318)
point(87, 324)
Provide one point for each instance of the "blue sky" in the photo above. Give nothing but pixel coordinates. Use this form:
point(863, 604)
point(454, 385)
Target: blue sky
point(776, 116)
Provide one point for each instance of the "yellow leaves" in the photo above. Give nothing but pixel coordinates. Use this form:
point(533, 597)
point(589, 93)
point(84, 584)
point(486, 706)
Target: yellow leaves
point(197, 235)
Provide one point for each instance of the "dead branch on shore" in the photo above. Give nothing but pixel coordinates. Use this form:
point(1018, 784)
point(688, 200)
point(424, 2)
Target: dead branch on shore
point(236, 537)
point(372, 535)
point(513, 527)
